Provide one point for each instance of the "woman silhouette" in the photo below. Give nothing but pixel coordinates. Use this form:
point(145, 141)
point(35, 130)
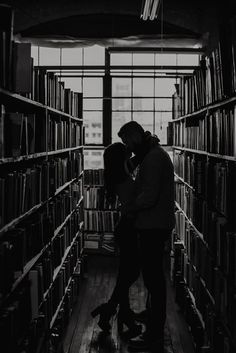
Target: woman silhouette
point(119, 182)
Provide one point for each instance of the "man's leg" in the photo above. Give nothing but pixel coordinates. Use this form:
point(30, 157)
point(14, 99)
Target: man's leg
point(152, 250)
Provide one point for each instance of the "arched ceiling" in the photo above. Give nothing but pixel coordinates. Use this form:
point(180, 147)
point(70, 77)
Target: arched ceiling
point(107, 22)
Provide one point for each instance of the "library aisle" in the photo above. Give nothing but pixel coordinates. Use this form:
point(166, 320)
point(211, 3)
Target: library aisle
point(84, 336)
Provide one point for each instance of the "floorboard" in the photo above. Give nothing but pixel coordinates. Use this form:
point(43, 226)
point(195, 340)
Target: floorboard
point(84, 336)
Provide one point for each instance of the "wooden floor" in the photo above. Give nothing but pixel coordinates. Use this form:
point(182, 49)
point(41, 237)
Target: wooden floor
point(84, 336)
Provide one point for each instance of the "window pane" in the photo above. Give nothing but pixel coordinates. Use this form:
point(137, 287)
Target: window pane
point(143, 59)
point(116, 73)
point(34, 54)
point(163, 104)
point(161, 123)
point(93, 127)
point(119, 119)
point(143, 87)
point(145, 119)
point(121, 104)
point(164, 87)
point(92, 104)
point(146, 73)
point(71, 56)
point(121, 87)
point(187, 59)
point(165, 59)
point(93, 159)
point(94, 55)
point(143, 104)
point(121, 59)
point(49, 56)
point(74, 83)
point(92, 87)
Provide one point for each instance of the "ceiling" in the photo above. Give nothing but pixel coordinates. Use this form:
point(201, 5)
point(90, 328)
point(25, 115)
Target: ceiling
point(183, 23)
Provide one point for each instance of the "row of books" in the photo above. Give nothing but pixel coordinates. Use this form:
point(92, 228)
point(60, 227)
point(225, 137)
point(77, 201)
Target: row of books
point(94, 177)
point(193, 89)
point(210, 178)
point(100, 221)
point(23, 189)
point(212, 81)
point(56, 293)
point(18, 331)
point(57, 329)
point(17, 72)
point(48, 89)
point(217, 247)
point(15, 320)
point(213, 133)
point(95, 198)
point(18, 133)
point(64, 134)
point(26, 241)
point(208, 331)
point(98, 242)
point(219, 307)
point(63, 205)
point(186, 302)
point(221, 201)
point(215, 263)
point(22, 134)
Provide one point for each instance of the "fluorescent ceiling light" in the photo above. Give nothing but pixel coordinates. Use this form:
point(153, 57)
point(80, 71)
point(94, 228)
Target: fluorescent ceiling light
point(150, 9)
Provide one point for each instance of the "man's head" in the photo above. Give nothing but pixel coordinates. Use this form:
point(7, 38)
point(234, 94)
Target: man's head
point(132, 134)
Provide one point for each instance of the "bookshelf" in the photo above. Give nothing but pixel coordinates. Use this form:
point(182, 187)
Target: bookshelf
point(100, 217)
point(203, 265)
point(41, 207)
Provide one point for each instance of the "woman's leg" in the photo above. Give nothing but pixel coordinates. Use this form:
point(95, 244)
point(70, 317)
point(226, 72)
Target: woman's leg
point(129, 266)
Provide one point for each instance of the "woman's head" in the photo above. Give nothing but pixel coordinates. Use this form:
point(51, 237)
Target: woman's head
point(114, 166)
point(114, 161)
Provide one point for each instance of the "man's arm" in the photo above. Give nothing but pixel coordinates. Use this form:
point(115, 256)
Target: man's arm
point(151, 184)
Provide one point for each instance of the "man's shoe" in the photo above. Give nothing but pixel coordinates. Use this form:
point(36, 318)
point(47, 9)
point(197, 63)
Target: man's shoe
point(145, 343)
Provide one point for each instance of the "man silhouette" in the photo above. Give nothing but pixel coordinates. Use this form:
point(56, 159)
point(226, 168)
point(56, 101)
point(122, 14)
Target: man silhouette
point(154, 213)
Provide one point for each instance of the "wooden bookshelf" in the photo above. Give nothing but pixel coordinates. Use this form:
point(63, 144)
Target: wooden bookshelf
point(16, 221)
point(204, 148)
point(183, 181)
point(207, 109)
point(41, 231)
point(204, 153)
point(57, 270)
point(95, 204)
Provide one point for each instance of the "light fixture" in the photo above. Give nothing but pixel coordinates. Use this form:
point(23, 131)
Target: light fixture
point(150, 9)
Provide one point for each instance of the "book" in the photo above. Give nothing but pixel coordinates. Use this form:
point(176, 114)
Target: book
point(31, 132)
point(22, 68)
point(13, 133)
point(6, 37)
point(34, 279)
point(3, 59)
point(2, 131)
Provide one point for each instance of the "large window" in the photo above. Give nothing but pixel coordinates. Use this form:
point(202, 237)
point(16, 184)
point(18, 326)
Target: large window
point(144, 92)
point(92, 113)
point(145, 100)
point(142, 85)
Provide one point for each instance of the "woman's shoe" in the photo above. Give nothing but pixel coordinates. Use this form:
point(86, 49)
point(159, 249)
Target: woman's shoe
point(106, 311)
point(126, 317)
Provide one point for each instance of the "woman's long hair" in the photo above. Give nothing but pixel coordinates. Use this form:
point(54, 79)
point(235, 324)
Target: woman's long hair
point(114, 168)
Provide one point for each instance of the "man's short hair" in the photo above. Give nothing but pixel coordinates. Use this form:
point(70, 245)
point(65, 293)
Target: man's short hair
point(131, 127)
